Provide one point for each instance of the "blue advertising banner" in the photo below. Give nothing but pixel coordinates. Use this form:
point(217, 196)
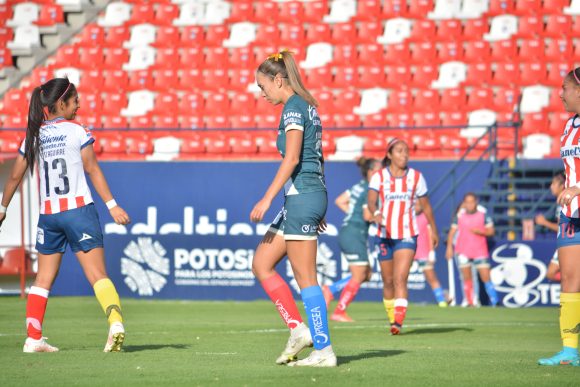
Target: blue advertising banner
point(191, 237)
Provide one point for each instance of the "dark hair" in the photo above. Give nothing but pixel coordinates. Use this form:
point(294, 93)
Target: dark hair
point(44, 96)
point(560, 176)
point(470, 194)
point(390, 145)
point(574, 76)
point(365, 165)
point(283, 63)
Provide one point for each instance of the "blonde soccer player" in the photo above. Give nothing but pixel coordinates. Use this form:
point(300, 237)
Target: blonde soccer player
point(568, 239)
point(294, 231)
point(396, 188)
point(64, 152)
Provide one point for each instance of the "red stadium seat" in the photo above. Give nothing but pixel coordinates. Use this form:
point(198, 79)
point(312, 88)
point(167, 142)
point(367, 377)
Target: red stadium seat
point(343, 33)
point(191, 79)
point(344, 55)
point(424, 75)
point(477, 51)
point(140, 80)
point(91, 103)
point(191, 58)
point(267, 35)
point(115, 57)
point(166, 36)
point(557, 122)
point(558, 50)
point(165, 80)
point(142, 13)
point(500, 7)
point(480, 98)
point(555, 102)
point(191, 145)
point(194, 121)
point(345, 77)
point(400, 101)
point(114, 122)
point(141, 122)
point(216, 79)
point(368, 32)
point(14, 102)
point(425, 52)
point(115, 81)
point(527, 7)
point(394, 8)
point(368, 10)
point(478, 74)
point(290, 12)
point(506, 74)
point(5, 12)
point(91, 58)
point(92, 35)
point(427, 120)
point(398, 76)
point(325, 99)
point(398, 54)
point(165, 14)
point(423, 31)
point(138, 145)
point(558, 26)
point(166, 103)
point(166, 59)
point(474, 29)
point(14, 122)
point(319, 32)
point(319, 78)
point(450, 51)
point(378, 120)
point(504, 51)
point(347, 121)
point(314, 11)
point(216, 145)
point(116, 36)
point(371, 76)
point(243, 104)
point(192, 36)
point(401, 120)
point(532, 74)
point(242, 58)
point(505, 99)
point(241, 11)
point(426, 100)
point(453, 100)
point(554, 7)
point(91, 81)
point(266, 12)
point(241, 78)
point(113, 102)
point(557, 73)
point(217, 122)
point(216, 104)
point(243, 147)
point(292, 34)
point(216, 58)
point(449, 30)
point(5, 58)
point(530, 27)
point(532, 50)
point(50, 15)
point(267, 121)
point(418, 9)
point(534, 123)
point(67, 56)
point(454, 118)
point(246, 121)
point(370, 54)
point(346, 100)
point(216, 34)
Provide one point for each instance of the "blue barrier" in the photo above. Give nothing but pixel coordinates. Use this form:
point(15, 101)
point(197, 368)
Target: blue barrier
point(191, 238)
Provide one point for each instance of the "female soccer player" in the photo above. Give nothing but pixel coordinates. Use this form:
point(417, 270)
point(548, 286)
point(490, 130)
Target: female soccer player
point(473, 226)
point(568, 240)
point(398, 187)
point(294, 231)
point(425, 256)
point(353, 238)
point(64, 152)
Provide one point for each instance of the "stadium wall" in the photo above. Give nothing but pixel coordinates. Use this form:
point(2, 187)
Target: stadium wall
point(191, 238)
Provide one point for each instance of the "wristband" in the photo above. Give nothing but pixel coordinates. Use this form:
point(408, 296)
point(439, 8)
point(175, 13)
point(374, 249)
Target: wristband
point(111, 203)
point(2, 209)
point(377, 212)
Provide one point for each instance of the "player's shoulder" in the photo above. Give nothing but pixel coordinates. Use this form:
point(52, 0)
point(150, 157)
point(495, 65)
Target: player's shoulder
point(481, 209)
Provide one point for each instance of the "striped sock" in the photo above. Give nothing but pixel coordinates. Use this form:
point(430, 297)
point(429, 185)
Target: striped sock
point(35, 309)
point(315, 307)
point(339, 285)
point(281, 295)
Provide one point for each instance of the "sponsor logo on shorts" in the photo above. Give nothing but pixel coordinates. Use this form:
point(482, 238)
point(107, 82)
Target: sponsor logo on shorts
point(409, 240)
point(40, 236)
point(306, 228)
point(319, 336)
point(85, 237)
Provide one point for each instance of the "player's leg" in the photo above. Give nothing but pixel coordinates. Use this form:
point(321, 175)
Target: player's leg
point(403, 259)
point(435, 285)
point(465, 268)
point(385, 258)
point(360, 274)
point(553, 273)
point(482, 266)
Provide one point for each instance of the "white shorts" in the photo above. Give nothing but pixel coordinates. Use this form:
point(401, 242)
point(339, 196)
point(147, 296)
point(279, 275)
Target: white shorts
point(464, 261)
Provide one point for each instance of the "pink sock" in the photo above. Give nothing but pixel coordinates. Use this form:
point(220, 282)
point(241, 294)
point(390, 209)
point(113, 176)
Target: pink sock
point(281, 295)
point(468, 289)
point(348, 294)
point(35, 308)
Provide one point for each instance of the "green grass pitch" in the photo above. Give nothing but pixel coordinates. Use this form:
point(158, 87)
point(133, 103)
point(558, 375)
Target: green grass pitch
point(235, 344)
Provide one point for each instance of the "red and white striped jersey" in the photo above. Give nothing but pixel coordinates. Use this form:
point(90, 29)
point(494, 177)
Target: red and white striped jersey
point(570, 153)
point(397, 196)
point(63, 185)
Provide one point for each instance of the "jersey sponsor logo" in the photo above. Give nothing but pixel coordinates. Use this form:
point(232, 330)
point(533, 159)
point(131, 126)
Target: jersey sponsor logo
point(292, 115)
point(145, 266)
point(570, 151)
point(320, 337)
point(40, 236)
point(397, 196)
point(85, 237)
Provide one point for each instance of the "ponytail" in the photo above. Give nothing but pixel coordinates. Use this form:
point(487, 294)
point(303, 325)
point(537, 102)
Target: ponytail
point(283, 63)
point(43, 100)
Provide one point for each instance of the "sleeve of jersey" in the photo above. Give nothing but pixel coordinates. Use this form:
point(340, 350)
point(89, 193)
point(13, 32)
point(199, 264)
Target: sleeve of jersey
point(375, 183)
point(488, 221)
point(293, 119)
point(421, 186)
point(22, 149)
point(455, 221)
point(85, 136)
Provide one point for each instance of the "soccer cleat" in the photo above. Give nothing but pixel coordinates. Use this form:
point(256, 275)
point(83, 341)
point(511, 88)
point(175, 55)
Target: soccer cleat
point(116, 338)
point(396, 329)
point(327, 295)
point(341, 317)
point(443, 304)
point(317, 358)
point(299, 339)
point(561, 358)
point(31, 345)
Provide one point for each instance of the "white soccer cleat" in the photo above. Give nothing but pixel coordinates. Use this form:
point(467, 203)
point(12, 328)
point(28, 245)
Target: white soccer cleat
point(299, 339)
point(31, 345)
point(116, 338)
point(318, 358)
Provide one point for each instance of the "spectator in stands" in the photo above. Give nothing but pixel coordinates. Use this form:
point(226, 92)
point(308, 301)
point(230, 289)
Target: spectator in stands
point(353, 239)
point(568, 239)
point(551, 223)
point(64, 152)
point(295, 230)
point(425, 256)
point(473, 226)
point(396, 188)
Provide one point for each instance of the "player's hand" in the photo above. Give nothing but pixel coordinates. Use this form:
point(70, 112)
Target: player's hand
point(435, 239)
point(377, 219)
point(322, 226)
point(2, 217)
point(260, 210)
point(540, 220)
point(476, 231)
point(449, 253)
point(119, 215)
point(567, 195)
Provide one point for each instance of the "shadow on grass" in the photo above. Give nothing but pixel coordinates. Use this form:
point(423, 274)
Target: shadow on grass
point(152, 347)
point(436, 330)
point(367, 355)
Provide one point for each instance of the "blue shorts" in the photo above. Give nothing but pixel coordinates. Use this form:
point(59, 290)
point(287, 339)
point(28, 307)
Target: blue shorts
point(388, 246)
point(301, 215)
point(568, 231)
point(80, 228)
